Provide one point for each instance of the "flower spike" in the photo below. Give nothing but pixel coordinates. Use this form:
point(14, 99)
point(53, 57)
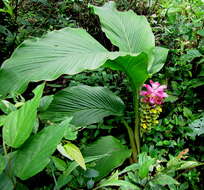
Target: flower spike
point(154, 93)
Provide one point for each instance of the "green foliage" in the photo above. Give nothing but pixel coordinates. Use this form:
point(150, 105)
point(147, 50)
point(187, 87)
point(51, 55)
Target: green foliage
point(6, 106)
point(59, 163)
point(34, 155)
point(197, 127)
point(88, 56)
point(144, 165)
point(2, 163)
point(87, 105)
point(134, 36)
point(124, 42)
point(72, 152)
point(165, 180)
point(44, 55)
point(117, 153)
point(8, 8)
point(5, 182)
point(150, 173)
point(66, 176)
point(114, 181)
point(14, 131)
point(134, 67)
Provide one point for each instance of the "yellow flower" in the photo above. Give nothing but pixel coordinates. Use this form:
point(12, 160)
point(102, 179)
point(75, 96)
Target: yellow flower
point(156, 122)
point(153, 111)
point(159, 109)
point(144, 125)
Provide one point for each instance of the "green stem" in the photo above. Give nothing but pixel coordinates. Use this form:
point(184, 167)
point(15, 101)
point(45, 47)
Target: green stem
point(137, 119)
point(132, 141)
point(8, 162)
point(5, 151)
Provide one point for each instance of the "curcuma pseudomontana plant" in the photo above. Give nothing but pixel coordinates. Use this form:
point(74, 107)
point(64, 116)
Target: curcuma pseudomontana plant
point(71, 51)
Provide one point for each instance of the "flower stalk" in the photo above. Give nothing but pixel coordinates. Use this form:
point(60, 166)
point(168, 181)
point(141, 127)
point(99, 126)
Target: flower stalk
point(137, 120)
point(151, 102)
point(132, 141)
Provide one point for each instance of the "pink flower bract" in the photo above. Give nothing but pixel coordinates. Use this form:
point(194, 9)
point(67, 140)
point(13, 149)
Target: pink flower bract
point(154, 93)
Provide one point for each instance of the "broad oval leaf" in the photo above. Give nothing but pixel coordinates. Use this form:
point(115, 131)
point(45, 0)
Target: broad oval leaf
point(131, 33)
point(18, 124)
point(117, 154)
point(86, 104)
point(33, 157)
point(66, 51)
point(128, 31)
point(134, 67)
point(74, 153)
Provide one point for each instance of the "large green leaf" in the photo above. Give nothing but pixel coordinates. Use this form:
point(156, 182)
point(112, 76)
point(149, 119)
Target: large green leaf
point(70, 51)
point(134, 67)
point(158, 59)
point(86, 104)
point(34, 155)
point(131, 33)
point(18, 124)
point(66, 51)
point(128, 31)
point(117, 153)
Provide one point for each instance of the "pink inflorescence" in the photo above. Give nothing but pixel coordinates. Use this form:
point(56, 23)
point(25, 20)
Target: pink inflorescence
point(154, 94)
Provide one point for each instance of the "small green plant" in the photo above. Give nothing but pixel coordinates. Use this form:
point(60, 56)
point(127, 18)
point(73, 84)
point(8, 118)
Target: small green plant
point(151, 173)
